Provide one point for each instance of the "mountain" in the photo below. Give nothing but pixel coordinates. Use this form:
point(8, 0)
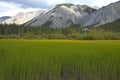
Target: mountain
point(4, 18)
point(112, 26)
point(65, 15)
point(104, 15)
point(22, 18)
point(87, 9)
point(62, 15)
point(95, 7)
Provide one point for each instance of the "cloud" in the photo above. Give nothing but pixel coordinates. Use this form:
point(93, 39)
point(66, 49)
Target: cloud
point(12, 7)
point(29, 3)
point(51, 3)
point(101, 3)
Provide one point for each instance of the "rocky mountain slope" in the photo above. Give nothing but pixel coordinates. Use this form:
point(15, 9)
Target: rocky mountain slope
point(22, 18)
point(4, 18)
point(113, 26)
point(104, 15)
point(63, 15)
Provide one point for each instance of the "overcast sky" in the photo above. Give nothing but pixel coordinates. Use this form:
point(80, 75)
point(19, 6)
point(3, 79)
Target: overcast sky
point(12, 7)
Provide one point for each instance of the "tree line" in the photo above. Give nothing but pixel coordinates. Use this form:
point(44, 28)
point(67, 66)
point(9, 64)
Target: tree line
point(26, 32)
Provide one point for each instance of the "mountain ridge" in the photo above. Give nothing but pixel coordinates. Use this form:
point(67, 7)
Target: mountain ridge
point(65, 15)
point(22, 18)
point(102, 16)
point(60, 16)
point(4, 18)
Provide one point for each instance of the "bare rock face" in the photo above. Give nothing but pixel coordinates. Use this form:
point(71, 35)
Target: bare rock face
point(104, 15)
point(87, 9)
point(4, 18)
point(22, 18)
point(63, 15)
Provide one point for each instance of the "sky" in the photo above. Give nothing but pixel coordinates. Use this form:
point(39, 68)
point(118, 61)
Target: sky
point(13, 7)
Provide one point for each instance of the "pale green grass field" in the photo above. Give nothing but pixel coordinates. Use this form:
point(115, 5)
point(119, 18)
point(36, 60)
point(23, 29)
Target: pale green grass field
point(59, 60)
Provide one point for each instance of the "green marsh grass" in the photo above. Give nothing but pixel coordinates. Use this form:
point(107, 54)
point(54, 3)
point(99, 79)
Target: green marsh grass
point(59, 60)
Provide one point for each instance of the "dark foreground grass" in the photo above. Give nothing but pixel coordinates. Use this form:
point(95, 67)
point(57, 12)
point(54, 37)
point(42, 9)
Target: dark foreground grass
point(59, 60)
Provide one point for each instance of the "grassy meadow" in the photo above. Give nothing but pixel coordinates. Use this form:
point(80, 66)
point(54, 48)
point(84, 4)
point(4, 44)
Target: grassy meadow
point(59, 60)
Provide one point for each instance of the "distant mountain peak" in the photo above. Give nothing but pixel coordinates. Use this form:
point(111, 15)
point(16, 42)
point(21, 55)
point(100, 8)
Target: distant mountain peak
point(22, 18)
point(83, 7)
point(102, 16)
point(86, 8)
point(65, 15)
point(95, 7)
point(4, 18)
point(65, 4)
